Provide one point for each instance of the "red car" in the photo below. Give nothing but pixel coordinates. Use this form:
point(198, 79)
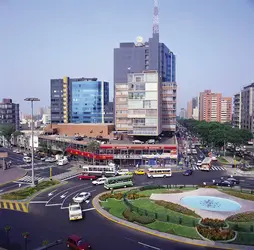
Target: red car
point(77, 243)
point(87, 177)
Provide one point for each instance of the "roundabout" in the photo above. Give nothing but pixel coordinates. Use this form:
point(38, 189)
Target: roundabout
point(48, 220)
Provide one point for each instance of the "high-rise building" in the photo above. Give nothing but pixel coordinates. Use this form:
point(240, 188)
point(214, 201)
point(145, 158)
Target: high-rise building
point(214, 108)
point(246, 107)
point(189, 109)
point(144, 56)
point(237, 111)
point(183, 113)
point(9, 113)
point(78, 100)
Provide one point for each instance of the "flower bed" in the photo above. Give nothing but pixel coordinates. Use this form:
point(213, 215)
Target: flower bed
point(134, 196)
point(177, 208)
point(216, 234)
point(242, 217)
point(133, 217)
point(117, 196)
point(214, 223)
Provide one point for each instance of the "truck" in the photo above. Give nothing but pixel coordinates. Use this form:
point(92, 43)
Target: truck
point(75, 212)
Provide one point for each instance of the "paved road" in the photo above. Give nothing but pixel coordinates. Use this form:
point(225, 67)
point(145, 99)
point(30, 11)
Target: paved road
point(48, 218)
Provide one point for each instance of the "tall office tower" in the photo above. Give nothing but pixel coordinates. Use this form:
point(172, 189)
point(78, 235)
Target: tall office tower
point(183, 113)
point(214, 108)
point(237, 110)
point(246, 107)
point(189, 109)
point(142, 56)
point(9, 113)
point(78, 100)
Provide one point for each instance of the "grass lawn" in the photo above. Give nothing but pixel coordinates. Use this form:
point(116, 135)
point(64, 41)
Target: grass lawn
point(222, 160)
point(242, 195)
point(244, 239)
point(151, 207)
point(114, 207)
point(163, 191)
point(242, 226)
point(29, 191)
point(166, 227)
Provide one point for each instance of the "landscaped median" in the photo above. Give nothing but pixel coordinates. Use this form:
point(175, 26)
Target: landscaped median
point(175, 221)
point(28, 192)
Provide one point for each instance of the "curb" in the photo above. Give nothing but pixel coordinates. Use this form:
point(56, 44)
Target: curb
point(158, 234)
point(2, 184)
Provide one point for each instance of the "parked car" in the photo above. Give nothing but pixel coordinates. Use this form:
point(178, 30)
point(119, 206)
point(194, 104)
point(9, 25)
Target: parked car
point(223, 183)
point(81, 197)
point(235, 181)
point(87, 177)
point(77, 243)
point(188, 172)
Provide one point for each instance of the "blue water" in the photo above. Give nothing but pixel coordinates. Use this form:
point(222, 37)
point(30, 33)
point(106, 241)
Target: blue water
point(211, 203)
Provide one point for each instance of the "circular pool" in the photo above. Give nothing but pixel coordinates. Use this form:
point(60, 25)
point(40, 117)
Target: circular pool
point(211, 203)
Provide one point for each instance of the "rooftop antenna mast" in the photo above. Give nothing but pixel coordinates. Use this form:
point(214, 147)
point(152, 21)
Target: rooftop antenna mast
point(156, 17)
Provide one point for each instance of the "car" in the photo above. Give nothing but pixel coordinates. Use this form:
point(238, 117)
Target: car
point(50, 159)
point(188, 172)
point(231, 179)
point(77, 243)
point(140, 172)
point(124, 171)
point(87, 177)
point(199, 163)
point(137, 142)
point(223, 183)
point(99, 181)
point(81, 197)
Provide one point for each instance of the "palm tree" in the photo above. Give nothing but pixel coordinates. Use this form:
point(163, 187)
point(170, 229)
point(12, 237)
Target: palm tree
point(25, 235)
point(93, 147)
point(7, 230)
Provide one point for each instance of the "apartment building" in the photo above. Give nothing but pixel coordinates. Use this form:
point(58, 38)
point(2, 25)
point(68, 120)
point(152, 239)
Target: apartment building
point(183, 113)
point(214, 108)
point(247, 108)
point(189, 109)
point(237, 111)
point(9, 113)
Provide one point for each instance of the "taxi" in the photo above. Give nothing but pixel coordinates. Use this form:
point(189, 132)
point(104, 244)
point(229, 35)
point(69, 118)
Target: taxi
point(140, 172)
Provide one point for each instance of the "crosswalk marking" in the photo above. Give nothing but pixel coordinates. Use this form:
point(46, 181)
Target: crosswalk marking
point(12, 205)
point(28, 178)
point(66, 175)
point(214, 168)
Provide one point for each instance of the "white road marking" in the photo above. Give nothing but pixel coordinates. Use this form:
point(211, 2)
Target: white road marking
point(88, 209)
point(71, 177)
point(64, 195)
point(50, 194)
point(65, 191)
point(38, 202)
point(53, 205)
point(1, 191)
point(149, 246)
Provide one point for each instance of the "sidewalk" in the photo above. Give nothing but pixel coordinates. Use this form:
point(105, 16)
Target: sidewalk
point(11, 174)
point(155, 233)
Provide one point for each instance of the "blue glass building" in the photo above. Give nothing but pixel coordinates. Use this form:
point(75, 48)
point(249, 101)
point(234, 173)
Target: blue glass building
point(80, 100)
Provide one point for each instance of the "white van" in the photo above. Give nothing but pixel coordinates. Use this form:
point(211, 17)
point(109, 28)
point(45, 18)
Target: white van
point(27, 159)
point(62, 162)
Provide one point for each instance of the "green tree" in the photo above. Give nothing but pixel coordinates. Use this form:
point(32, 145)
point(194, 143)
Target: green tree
point(93, 147)
point(7, 131)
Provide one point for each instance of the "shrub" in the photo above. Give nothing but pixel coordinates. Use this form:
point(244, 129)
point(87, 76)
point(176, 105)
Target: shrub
point(151, 187)
point(131, 217)
point(215, 223)
point(242, 217)
point(106, 196)
point(216, 234)
point(177, 208)
point(134, 196)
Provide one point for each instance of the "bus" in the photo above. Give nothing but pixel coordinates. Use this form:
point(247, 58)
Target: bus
point(206, 164)
point(118, 182)
point(159, 172)
point(109, 170)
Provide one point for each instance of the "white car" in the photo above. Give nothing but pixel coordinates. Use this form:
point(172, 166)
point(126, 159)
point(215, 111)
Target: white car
point(137, 142)
point(199, 163)
point(81, 197)
point(99, 181)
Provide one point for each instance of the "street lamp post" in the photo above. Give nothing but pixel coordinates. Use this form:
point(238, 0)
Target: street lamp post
point(32, 100)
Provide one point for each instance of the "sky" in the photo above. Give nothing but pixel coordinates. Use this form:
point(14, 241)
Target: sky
point(213, 41)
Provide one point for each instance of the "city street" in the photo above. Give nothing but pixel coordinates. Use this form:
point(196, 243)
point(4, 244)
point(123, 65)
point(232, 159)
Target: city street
point(48, 218)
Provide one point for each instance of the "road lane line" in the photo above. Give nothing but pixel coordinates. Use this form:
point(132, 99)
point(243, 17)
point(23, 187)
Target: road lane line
point(149, 246)
point(83, 184)
point(38, 202)
point(53, 205)
point(88, 209)
point(68, 178)
point(77, 191)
